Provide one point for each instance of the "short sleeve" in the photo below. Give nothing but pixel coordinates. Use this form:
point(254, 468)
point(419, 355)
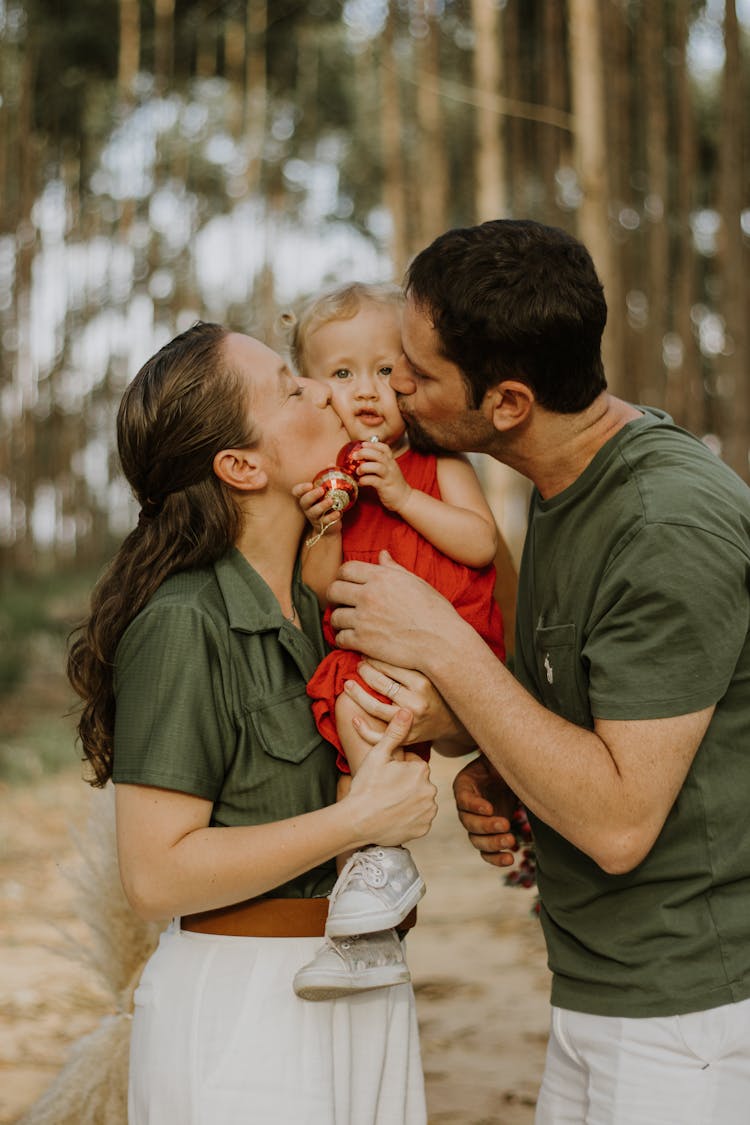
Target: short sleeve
point(173, 720)
point(669, 623)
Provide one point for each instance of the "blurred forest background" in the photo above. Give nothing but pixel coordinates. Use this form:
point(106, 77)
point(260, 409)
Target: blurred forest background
point(164, 160)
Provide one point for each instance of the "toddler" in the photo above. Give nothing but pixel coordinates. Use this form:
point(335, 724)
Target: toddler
point(430, 514)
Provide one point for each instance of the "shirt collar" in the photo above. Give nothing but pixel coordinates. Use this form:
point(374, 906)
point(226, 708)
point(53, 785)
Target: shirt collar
point(251, 606)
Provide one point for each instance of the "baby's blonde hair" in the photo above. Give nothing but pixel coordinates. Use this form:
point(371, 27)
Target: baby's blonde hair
point(341, 303)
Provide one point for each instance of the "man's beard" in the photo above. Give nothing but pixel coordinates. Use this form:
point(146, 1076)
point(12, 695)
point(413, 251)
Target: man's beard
point(419, 439)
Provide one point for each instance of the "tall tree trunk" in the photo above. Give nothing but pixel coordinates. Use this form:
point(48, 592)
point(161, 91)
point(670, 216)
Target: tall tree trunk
point(23, 442)
point(554, 144)
point(163, 43)
point(393, 163)
point(234, 67)
point(622, 109)
point(653, 378)
point(684, 395)
point(490, 171)
point(513, 125)
point(206, 46)
point(590, 145)
point(733, 261)
point(129, 52)
point(432, 181)
point(256, 88)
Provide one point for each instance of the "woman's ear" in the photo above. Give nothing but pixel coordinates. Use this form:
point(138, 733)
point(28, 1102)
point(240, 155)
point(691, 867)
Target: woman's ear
point(242, 469)
point(509, 403)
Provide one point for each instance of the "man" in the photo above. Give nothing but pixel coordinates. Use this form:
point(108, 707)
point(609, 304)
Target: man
point(626, 732)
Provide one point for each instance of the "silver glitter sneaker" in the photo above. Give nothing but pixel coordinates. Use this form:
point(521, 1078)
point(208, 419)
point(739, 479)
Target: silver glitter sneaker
point(353, 964)
point(375, 891)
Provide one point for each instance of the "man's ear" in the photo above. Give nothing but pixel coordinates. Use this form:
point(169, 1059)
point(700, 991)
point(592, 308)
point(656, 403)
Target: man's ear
point(243, 469)
point(509, 404)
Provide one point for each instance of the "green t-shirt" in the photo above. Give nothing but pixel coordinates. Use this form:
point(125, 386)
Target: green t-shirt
point(210, 695)
point(633, 604)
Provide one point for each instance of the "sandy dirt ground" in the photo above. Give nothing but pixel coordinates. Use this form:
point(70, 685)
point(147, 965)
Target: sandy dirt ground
point(477, 961)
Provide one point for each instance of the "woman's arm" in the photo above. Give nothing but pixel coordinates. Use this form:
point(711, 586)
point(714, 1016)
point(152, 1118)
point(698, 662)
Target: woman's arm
point(321, 552)
point(172, 862)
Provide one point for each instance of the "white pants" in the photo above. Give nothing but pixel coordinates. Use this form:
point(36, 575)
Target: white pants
point(219, 1038)
point(678, 1070)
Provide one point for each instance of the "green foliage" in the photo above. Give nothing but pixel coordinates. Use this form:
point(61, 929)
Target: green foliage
point(36, 724)
point(75, 48)
point(21, 613)
point(45, 746)
point(34, 610)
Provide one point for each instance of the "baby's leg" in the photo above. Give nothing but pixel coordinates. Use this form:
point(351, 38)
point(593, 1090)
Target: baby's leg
point(355, 750)
point(395, 863)
point(343, 785)
point(377, 889)
point(355, 747)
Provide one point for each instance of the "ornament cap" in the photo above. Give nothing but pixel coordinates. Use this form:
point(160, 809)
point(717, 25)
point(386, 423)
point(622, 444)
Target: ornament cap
point(339, 485)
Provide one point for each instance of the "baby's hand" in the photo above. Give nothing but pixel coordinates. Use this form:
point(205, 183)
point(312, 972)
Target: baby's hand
point(378, 468)
point(315, 502)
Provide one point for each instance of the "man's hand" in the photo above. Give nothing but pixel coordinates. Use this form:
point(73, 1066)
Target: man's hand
point(485, 804)
point(388, 613)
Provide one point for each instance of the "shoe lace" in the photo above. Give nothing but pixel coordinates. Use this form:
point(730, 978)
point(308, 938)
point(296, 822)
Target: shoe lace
point(364, 864)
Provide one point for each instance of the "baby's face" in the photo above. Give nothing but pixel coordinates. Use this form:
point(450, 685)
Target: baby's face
point(354, 359)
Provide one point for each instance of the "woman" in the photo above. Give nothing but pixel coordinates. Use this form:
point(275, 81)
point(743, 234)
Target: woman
point(192, 668)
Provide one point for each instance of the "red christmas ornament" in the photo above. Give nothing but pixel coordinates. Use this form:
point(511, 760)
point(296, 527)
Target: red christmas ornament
point(340, 480)
point(340, 486)
point(344, 458)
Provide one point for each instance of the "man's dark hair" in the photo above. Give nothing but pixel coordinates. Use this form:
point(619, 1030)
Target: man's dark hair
point(514, 299)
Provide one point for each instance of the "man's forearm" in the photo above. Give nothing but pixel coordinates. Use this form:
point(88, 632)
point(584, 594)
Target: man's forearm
point(564, 773)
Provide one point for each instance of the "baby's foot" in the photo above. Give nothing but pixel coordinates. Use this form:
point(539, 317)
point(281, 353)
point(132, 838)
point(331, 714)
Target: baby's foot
point(376, 889)
point(353, 964)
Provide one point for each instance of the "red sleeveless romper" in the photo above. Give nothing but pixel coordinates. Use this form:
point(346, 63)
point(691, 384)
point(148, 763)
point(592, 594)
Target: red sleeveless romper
point(369, 528)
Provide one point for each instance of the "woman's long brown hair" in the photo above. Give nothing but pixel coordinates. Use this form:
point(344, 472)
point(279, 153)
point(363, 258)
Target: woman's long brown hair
point(182, 408)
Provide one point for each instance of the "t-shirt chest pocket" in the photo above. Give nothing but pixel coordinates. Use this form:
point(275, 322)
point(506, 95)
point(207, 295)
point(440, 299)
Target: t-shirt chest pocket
point(558, 673)
point(283, 724)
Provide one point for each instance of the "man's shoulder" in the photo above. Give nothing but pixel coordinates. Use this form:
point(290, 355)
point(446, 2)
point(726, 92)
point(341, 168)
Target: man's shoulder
point(678, 479)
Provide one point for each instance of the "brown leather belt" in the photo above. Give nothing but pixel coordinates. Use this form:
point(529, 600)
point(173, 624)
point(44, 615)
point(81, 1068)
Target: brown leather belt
point(269, 917)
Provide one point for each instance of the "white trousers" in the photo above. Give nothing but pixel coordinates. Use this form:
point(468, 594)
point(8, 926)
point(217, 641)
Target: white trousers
point(677, 1070)
point(219, 1038)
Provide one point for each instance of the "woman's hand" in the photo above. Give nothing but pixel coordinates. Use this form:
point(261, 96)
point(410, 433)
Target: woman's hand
point(485, 804)
point(433, 719)
point(392, 799)
point(315, 502)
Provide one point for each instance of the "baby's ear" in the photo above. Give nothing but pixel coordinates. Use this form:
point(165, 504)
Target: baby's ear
point(243, 469)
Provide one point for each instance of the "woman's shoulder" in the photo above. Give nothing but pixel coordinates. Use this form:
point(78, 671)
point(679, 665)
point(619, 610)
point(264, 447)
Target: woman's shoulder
point(186, 588)
point(186, 606)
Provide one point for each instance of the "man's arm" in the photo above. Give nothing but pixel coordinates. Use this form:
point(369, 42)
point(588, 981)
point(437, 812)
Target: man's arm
point(607, 791)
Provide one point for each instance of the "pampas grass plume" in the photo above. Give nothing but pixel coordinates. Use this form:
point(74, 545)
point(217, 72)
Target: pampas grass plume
point(91, 1088)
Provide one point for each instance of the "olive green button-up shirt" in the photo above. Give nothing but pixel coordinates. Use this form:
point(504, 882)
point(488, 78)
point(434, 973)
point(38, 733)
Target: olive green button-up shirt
point(210, 700)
